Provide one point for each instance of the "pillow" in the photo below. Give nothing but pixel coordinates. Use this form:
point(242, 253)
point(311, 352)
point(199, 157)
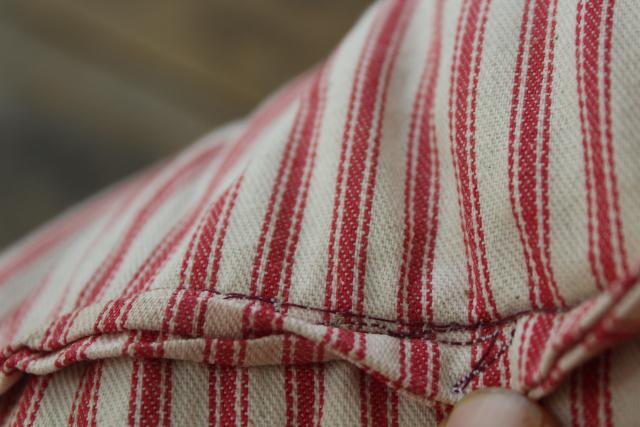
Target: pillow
point(449, 202)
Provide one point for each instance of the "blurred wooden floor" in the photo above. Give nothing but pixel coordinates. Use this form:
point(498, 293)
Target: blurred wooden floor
point(91, 91)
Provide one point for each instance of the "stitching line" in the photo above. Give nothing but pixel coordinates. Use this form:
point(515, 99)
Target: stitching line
point(434, 327)
point(484, 362)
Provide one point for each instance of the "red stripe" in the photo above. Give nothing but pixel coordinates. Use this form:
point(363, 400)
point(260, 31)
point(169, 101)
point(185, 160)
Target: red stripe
point(395, 416)
point(213, 395)
point(396, 26)
point(418, 366)
point(341, 166)
point(289, 261)
point(278, 180)
point(591, 392)
point(185, 310)
point(288, 382)
point(151, 390)
point(590, 395)
point(133, 391)
point(305, 392)
point(217, 256)
point(421, 210)
point(590, 70)
point(286, 215)
point(154, 262)
point(283, 222)
point(379, 395)
point(143, 277)
point(244, 397)
point(426, 189)
point(205, 239)
point(188, 301)
point(26, 400)
point(345, 341)
point(321, 389)
point(532, 151)
point(171, 240)
point(573, 397)
point(305, 377)
point(464, 83)
point(375, 85)
point(225, 351)
point(96, 395)
point(44, 383)
point(56, 329)
point(343, 272)
point(465, 70)
point(139, 185)
point(606, 388)
point(608, 262)
point(89, 388)
point(82, 410)
point(424, 367)
point(77, 396)
point(247, 318)
point(167, 392)
point(435, 369)
point(74, 352)
point(228, 395)
point(540, 333)
point(30, 400)
point(147, 379)
point(402, 358)
point(160, 253)
point(364, 399)
point(464, 38)
point(8, 402)
point(442, 411)
point(158, 256)
point(300, 380)
point(587, 164)
point(606, 66)
point(99, 282)
point(267, 221)
point(521, 346)
point(262, 119)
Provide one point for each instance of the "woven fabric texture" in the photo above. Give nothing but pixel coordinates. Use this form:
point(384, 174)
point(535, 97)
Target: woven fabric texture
point(450, 202)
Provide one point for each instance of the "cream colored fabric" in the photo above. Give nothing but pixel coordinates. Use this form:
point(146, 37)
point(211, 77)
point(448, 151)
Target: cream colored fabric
point(449, 202)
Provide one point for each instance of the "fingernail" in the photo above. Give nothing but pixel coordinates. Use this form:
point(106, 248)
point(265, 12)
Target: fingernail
point(497, 408)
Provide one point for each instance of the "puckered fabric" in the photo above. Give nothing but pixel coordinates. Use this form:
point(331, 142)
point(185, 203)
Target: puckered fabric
point(449, 202)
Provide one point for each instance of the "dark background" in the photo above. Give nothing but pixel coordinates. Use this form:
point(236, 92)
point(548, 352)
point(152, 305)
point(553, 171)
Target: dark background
point(92, 91)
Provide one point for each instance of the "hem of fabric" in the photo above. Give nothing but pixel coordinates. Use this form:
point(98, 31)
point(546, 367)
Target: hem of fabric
point(259, 328)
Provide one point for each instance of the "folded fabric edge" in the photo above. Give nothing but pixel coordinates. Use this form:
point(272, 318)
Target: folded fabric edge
point(532, 352)
point(548, 348)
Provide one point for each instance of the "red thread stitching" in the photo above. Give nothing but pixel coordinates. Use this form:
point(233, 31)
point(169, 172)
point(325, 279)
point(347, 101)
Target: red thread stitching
point(484, 362)
point(434, 327)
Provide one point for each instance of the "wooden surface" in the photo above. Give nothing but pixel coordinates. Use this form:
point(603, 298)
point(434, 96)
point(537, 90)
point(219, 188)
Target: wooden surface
point(91, 91)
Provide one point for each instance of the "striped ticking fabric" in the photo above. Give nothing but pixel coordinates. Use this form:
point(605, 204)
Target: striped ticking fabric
point(450, 202)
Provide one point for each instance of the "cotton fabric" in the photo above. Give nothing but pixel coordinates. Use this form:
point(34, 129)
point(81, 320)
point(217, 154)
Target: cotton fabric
point(449, 202)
